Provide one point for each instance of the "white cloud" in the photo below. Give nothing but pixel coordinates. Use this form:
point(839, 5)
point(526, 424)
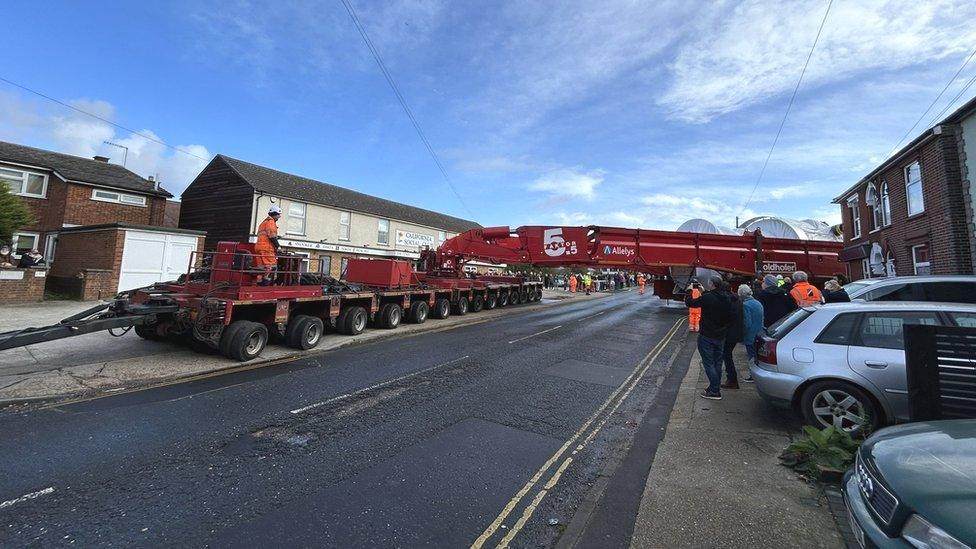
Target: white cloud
point(569, 183)
point(74, 133)
point(754, 51)
point(780, 193)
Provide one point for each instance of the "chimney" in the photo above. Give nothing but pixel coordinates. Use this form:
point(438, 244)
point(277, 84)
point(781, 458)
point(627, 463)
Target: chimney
point(101, 158)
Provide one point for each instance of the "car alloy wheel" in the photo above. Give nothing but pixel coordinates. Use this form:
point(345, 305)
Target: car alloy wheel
point(837, 408)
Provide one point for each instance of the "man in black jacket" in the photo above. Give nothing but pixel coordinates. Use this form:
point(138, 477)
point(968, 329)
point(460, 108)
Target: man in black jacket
point(775, 300)
point(716, 313)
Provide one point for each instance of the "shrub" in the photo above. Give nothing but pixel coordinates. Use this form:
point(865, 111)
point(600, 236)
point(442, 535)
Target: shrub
point(830, 449)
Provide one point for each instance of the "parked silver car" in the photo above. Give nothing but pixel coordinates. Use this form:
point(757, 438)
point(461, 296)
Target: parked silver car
point(844, 363)
point(941, 288)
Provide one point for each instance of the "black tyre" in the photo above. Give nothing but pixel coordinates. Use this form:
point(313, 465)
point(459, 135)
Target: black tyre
point(514, 297)
point(841, 404)
point(461, 306)
point(502, 299)
point(148, 332)
point(491, 300)
point(355, 320)
point(304, 332)
point(390, 316)
point(419, 310)
point(246, 342)
point(202, 347)
point(228, 335)
point(442, 308)
point(477, 303)
point(538, 294)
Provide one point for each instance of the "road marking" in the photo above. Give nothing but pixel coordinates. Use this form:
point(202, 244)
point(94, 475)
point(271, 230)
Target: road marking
point(591, 316)
point(372, 387)
point(535, 334)
point(635, 377)
point(25, 497)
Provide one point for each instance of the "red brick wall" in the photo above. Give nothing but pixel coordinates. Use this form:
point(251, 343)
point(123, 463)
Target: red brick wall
point(80, 209)
point(28, 289)
point(943, 224)
point(48, 212)
point(89, 250)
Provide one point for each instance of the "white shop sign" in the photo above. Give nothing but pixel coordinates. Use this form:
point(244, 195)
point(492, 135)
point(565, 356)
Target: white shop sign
point(322, 246)
point(416, 240)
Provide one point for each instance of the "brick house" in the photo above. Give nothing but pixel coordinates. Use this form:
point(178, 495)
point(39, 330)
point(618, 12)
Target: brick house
point(913, 214)
point(67, 191)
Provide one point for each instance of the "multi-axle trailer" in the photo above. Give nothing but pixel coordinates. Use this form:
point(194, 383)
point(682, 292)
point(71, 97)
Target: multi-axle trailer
point(219, 304)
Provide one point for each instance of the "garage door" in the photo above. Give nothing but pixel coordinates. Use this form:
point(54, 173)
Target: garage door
point(150, 257)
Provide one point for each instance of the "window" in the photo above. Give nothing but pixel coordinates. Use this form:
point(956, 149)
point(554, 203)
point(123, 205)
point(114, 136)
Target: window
point(103, 195)
point(24, 183)
point(50, 244)
point(966, 320)
point(325, 264)
point(892, 292)
point(24, 242)
point(874, 203)
point(303, 266)
point(296, 218)
point(885, 204)
point(920, 257)
point(441, 237)
point(383, 232)
point(344, 218)
point(913, 188)
point(343, 265)
point(885, 330)
point(839, 331)
point(783, 326)
point(949, 292)
point(855, 209)
point(866, 268)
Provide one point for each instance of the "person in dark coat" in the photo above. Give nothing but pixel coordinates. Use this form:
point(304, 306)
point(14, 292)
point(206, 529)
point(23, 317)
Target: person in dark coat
point(732, 337)
point(776, 301)
point(833, 293)
point(716, 312)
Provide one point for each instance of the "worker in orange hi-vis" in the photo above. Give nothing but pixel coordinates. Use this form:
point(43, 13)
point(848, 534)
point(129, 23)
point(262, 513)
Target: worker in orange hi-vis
point(572, 283)
point(266, 248)
point(641, 281)
point(694, 313)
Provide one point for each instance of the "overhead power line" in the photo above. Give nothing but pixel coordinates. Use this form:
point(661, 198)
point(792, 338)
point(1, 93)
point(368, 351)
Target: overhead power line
point(789, 107)
point(932, 104)
point(953, 101)
point(403, 102)
point(96, 117)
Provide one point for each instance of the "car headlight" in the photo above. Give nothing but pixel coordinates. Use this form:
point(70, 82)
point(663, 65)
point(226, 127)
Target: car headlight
point(925, 535)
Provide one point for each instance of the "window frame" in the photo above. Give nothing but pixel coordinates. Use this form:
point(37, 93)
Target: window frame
point(303, 217)
point(118, 197)
point(441, 237)
point(24, 177)
point(325, 264)
point(857, 340)
point(876, 223)
point(16, 237)
point(380, 232)
point(865, 268)
point(921, 189)
point(853, 204)
point(50, 246)
point(305, 263)
point(347, 225)
point(885, 203)
point(852, 330)
point(916, 263)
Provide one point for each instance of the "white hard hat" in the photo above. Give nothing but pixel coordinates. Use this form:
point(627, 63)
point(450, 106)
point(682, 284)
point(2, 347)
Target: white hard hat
point(274, 209)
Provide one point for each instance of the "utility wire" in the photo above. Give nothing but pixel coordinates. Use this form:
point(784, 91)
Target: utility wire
point(788, 108)
point(403, 102)
point(952, 101)
point(932, 104)
point(95, 116)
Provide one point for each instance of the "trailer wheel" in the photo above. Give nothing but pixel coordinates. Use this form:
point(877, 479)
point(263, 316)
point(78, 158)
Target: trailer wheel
point(355, 320)
point(477, 303)
point(461, 306)
point(390, 316)
point(538, 294)
point(491, 300)
point(442, 308)
point(502, 299)
point(245, 342)
point(419, 311)
point(514, 297)
point(304, 332)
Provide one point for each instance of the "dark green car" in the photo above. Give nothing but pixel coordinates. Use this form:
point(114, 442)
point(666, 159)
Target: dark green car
point(914, 485)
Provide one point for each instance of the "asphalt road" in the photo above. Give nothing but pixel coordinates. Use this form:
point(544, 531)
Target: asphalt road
point(486, 434)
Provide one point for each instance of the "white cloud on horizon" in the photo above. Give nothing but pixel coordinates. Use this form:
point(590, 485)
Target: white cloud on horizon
point(569, 183)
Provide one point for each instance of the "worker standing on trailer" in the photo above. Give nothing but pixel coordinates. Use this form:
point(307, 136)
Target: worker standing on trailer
point(694, 313)
point(266, 248)
point(587, 282)
point(641, 282)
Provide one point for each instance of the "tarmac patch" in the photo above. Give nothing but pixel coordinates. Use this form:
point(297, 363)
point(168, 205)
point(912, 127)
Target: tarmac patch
point(589, 372)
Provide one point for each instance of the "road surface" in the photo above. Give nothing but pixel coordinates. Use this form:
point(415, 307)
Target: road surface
point(486, 434)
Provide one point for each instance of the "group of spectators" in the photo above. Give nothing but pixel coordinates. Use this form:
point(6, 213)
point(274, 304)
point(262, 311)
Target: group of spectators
point(28, 259)
point(725, 318)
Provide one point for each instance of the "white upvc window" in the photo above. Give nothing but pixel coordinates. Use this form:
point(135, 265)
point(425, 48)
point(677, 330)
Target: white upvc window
point(105, 195)
point(441, 236)
point(22, 183)
point(50, 245)
point(303, 267)
point(24, 242)
point(873, 201)
point(344, 220)
point(854, 207)
point(296, 218)
point(885, 203)
point(866, 267)
point(913, 188)
point(383, 231)
point(920, 259)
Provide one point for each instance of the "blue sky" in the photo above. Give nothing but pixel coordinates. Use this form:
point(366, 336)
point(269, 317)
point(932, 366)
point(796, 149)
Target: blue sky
point(625, 113)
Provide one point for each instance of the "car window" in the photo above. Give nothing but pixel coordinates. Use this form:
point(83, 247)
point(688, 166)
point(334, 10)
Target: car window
point(966, 320)
point(782, 326)
point(840, 330)
point(853, 287)
point(892, 292)
point(885, 330)
point(951, 292)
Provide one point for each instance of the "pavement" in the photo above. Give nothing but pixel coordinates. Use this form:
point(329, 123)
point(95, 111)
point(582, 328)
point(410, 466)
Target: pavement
point(486, 434)
point(716, 480)
point(99, 363)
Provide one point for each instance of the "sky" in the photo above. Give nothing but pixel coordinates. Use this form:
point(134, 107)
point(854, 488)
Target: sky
point(625, 113)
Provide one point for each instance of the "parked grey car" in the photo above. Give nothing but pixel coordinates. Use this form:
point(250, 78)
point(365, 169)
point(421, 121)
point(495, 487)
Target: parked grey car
point(844, 363)
point(940, 288)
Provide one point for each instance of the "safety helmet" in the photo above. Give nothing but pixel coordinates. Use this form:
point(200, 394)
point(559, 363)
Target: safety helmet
point(274, 210)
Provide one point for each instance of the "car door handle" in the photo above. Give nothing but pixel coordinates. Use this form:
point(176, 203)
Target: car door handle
point(875, 364)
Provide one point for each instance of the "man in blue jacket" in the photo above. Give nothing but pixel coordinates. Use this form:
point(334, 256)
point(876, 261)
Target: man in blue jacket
point(752, 323)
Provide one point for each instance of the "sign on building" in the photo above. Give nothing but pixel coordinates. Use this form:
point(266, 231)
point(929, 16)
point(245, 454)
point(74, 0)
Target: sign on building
point(415, 240)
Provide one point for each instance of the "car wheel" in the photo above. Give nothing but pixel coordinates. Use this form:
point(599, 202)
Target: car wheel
point(841, 405)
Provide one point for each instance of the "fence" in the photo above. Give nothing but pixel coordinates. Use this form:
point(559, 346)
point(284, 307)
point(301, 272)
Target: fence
point(941, 370)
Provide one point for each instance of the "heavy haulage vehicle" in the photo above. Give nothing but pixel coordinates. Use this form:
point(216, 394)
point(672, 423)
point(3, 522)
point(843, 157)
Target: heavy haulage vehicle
point(218, 304)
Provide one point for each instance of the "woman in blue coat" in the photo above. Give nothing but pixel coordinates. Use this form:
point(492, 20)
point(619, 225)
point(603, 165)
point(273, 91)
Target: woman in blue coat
point(752, 322)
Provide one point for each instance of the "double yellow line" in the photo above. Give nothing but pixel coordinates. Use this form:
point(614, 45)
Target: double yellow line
point(602, 414)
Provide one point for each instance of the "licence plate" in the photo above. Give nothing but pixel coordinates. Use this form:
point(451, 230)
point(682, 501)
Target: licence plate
point(856, 528)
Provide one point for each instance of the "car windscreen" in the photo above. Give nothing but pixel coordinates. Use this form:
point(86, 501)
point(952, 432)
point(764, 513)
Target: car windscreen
point(782, 326)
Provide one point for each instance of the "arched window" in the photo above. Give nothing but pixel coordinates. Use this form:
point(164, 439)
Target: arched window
point(885, 204)
point(874, 204)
